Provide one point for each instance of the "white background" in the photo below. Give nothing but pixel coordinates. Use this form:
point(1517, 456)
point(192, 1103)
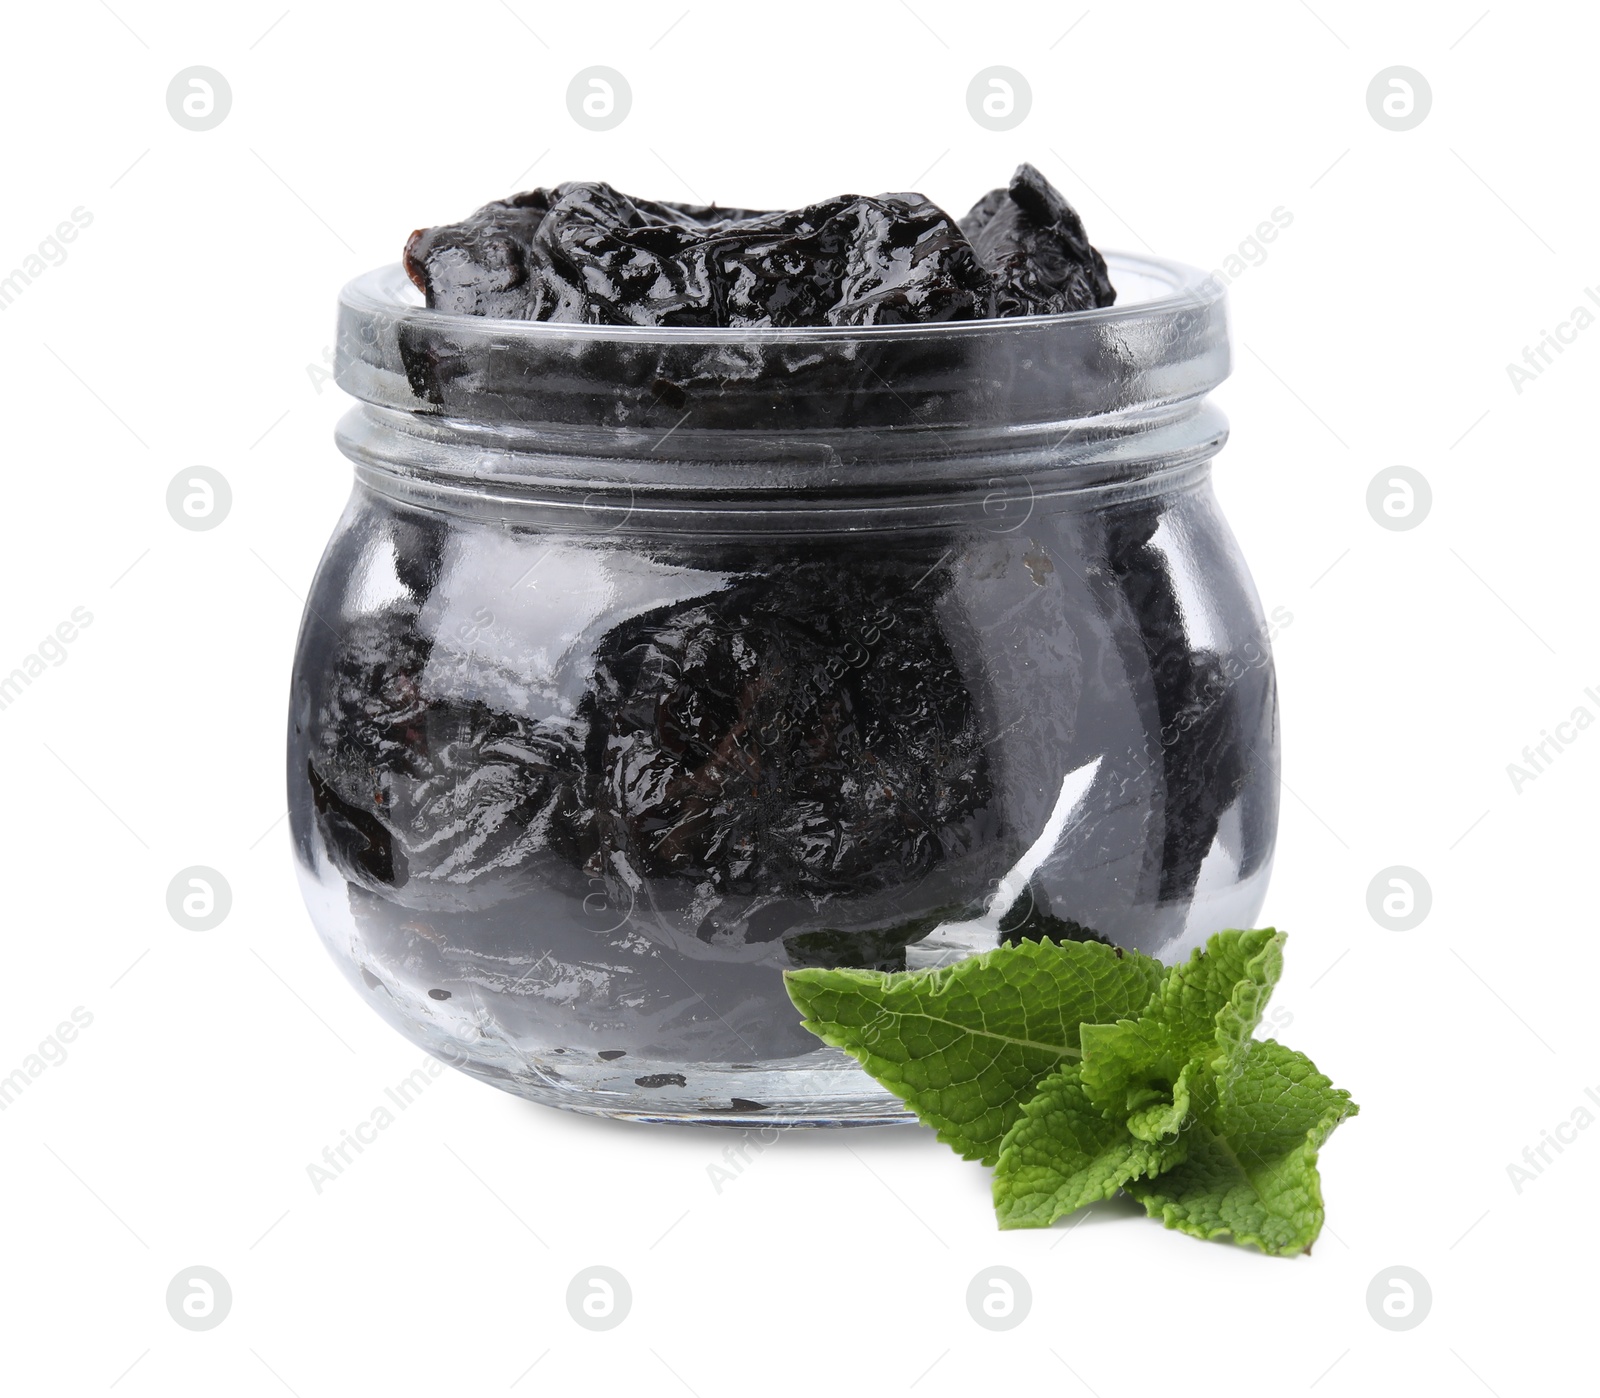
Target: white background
point(181, 330)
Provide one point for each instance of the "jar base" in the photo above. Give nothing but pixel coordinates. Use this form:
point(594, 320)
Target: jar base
point(821, 1089)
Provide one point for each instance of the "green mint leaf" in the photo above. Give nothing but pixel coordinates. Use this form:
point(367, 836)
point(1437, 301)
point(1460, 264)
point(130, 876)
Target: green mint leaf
point(965, 1045)
point(1251, 1166)
point(1159, 1113)
point(1177, 1054)
point(1077, 1070)
point(1063, 1153)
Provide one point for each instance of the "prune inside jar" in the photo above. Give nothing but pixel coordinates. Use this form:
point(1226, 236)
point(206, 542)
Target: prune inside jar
point(646, 663)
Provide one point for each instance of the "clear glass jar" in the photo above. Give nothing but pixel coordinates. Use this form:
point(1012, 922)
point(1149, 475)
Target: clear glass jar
point(647, 663)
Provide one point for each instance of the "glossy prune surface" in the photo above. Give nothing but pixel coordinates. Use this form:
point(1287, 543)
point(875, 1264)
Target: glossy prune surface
point(584, 252)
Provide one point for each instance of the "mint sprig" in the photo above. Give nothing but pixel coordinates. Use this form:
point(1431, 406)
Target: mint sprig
point(1077, 1070)
point(1251, 1167)
point(966, 1045)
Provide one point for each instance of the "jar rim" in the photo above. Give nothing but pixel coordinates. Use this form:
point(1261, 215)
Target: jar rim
point(1164, 342)
point(1158, 286)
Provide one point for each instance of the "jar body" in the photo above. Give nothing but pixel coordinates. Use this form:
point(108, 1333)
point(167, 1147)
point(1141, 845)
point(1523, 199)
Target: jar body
point(568, 796)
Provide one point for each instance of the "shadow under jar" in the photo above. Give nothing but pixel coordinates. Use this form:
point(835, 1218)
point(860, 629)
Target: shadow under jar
point(645, 664)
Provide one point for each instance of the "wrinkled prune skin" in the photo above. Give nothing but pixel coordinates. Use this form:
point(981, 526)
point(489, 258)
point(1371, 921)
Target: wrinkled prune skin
point(1204, 715)
point(480, 267)
point(584, 253)
point(1031, 243)
point(801, 739)
point(447, 801)
point(800, 732)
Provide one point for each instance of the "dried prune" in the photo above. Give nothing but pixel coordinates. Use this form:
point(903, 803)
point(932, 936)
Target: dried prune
point(584, 252)
point(1204, 713)
point(809, 731)
point(1031, 243)
point(800, 738)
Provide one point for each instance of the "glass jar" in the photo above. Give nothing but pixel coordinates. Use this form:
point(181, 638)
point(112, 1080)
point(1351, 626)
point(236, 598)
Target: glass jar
point(647, 663)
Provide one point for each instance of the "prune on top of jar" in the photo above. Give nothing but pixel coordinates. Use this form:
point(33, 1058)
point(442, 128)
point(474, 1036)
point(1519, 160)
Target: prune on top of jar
point(479, 267)
point(1031, 243)
point(583, 252)
point(850, 261)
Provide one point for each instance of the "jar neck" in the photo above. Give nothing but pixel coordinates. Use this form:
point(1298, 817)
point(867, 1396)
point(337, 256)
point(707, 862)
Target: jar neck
point(744, 480)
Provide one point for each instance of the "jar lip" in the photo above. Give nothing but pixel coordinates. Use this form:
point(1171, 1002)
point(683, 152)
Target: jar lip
point(1158, 287)
point(1164, 343)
